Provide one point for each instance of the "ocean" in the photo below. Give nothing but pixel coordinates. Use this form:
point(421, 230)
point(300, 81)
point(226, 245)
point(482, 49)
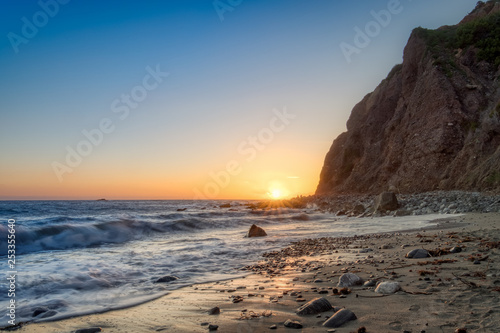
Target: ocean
point(83, 257)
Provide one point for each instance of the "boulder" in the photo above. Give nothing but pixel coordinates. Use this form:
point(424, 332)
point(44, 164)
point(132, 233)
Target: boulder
point(256, 231)
point(386, 201)
point(387, 287)
point(349, 280)
point(340, 318)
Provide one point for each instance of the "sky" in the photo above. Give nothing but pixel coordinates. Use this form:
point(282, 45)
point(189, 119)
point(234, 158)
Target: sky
point(189, 99)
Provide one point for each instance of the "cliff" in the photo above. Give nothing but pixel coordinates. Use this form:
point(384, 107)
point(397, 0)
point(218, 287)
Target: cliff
point(434, 122)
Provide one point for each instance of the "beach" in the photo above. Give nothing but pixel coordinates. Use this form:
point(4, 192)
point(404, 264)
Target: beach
point(440, 293)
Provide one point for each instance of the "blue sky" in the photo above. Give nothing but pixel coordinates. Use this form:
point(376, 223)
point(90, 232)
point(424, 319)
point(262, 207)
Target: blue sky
point(225, 79)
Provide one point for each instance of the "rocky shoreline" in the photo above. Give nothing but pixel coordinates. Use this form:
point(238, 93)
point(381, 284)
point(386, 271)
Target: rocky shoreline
point(364, 205)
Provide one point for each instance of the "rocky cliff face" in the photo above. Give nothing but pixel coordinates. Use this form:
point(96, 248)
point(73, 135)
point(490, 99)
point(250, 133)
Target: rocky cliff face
point(434, 122)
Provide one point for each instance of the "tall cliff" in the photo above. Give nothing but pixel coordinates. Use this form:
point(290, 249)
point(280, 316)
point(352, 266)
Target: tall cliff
point(434, 122)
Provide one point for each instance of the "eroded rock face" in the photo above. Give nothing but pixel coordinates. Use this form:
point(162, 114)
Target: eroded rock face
point(433, 123)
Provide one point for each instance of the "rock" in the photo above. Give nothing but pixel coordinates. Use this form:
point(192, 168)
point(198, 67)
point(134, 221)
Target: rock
point(340, 318)
point(213, 327)
point(273, 327)
point(461, 330)
point(387, 287)
point(386, 247)
point(214, 311)
point(292, 324)
point(386, 201)
point(456, 249)
point(349, 280)
point(39, 310)
point(256, 231)
point(359, 209)
point(314, 306)
point(417, 254)
point(403, 212)
point(362, 329)
point(370, 283)
point(166, 278)
point(181, 209)
point(477, 262)
point(89, 330)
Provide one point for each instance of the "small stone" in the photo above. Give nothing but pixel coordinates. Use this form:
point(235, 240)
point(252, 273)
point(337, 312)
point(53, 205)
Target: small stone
point(362, 329)
point(204, 323)
point(89, 330)
point(370, 283)
point(477, 262)
point(273, 327)
point(387, 287)
point(349, 280)
point(340, 318)
point(461, 330)
point(314, 306)
point(456, 249)
point(213, 327)
point(167, 278)
point(214, 311)
point(417, 254)
point(292, 324)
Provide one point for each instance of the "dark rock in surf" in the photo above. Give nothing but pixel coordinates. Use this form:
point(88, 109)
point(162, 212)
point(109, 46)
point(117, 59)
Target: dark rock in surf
point(256, 231)
point(314, 306)
point(167, 278)
point(340, 318)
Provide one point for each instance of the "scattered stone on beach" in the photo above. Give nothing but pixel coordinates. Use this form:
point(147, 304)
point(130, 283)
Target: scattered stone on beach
point(349, 280)
point(181, 209)
point(386, 247)
point(214, 311)
point(456, 249)
point(89, 330)
point(292, 324)
point(166, 278)
point(273, 327)
point(461, 330)
point(256, 231)
point(386, 201)
point(314, 306)
point(237, 299)
point(370, 283)
point(387, 287)
point(362, 329)
point(417, 254)
point(212, 327)
point(340, 318)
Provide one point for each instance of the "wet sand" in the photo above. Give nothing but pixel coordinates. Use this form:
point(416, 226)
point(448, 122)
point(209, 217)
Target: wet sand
point(439, 294)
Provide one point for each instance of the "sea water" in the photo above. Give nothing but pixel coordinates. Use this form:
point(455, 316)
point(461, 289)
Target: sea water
point(82, 257)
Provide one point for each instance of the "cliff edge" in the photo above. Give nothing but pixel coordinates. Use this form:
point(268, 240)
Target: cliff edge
point(434, 122)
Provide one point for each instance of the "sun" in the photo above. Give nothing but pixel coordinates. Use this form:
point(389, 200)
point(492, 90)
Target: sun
point(275, 193)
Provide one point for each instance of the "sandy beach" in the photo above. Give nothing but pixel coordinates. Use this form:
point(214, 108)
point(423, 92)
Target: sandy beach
point(438, 294)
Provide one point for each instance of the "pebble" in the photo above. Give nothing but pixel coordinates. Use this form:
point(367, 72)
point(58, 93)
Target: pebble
point(89, 330)
point(387, 287)
point(273, 327)
point(213, 327)
point(340, 318)
point(417, 254)
point(349, 280)
point(214, 311)
point(292, 324)
point(314, 306)
point(167, 278)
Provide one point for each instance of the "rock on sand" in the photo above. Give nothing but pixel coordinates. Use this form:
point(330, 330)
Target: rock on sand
point(314, 306)
point(340, 318)
point(387, 287)
point(349, 280)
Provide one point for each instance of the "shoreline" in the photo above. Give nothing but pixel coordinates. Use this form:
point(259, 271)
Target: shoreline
point(264, 292)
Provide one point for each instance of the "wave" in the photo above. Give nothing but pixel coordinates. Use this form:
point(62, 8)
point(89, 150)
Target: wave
point(69, 236)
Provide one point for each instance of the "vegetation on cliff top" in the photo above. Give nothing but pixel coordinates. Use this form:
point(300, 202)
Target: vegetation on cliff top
point(482, 33)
